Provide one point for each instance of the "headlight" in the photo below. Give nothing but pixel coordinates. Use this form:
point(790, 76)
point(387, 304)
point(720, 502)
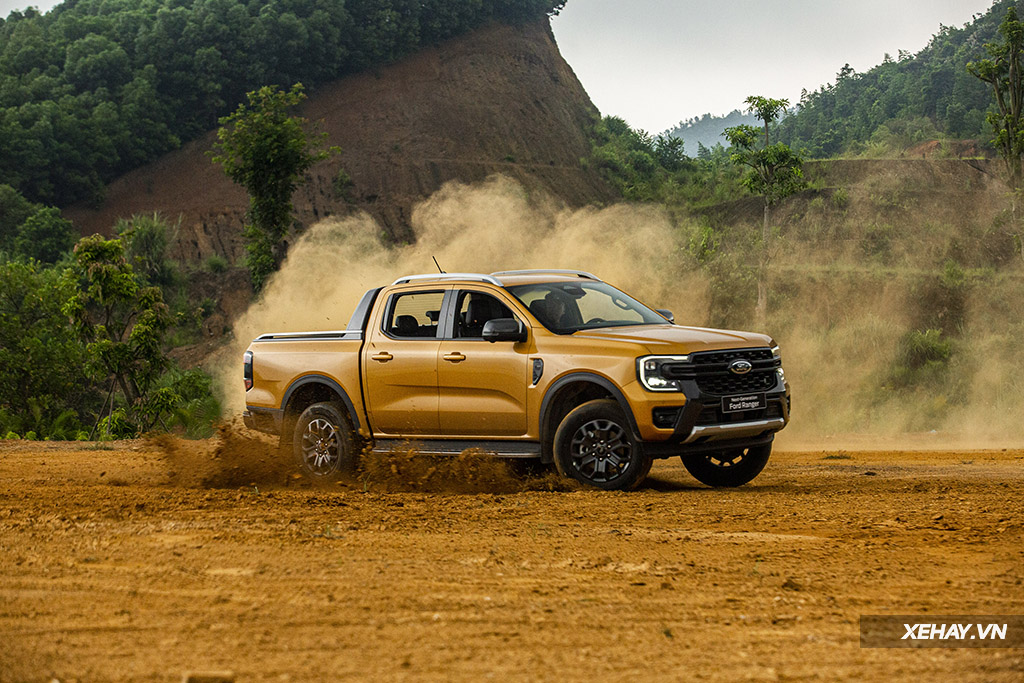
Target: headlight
point(650, 372)
point(776, 351)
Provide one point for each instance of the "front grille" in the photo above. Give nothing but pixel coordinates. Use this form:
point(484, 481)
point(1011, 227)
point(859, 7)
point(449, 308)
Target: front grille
point(710, 369)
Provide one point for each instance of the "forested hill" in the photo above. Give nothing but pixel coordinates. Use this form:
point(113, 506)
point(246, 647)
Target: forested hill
point(707, 130)
point(908, 99)
point(94, 88)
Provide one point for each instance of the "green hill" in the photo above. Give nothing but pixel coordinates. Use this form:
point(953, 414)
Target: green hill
point(94, 88)
point(903, 101)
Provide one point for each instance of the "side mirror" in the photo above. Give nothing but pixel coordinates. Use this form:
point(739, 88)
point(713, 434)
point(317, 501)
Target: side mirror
point(667, 313)
point(504, 329)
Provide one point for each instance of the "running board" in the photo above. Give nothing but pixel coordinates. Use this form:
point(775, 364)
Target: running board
point(502, 449)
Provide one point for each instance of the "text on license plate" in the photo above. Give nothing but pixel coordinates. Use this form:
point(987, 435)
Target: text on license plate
point(734, 404)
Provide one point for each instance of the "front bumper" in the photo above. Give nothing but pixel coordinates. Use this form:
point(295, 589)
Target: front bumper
point(701, 425)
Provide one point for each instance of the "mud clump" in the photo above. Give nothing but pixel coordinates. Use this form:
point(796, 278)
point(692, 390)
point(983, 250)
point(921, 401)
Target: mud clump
point(405, 469)
point(231, 459)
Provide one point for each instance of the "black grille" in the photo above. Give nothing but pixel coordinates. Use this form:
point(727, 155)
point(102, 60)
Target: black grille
point(710, 369)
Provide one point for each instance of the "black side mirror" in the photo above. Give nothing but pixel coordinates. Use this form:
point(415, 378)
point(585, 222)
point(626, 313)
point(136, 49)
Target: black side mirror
point(504, 329)
point(667, 313)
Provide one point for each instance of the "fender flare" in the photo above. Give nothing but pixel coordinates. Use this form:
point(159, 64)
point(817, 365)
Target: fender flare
point(583, 377)
point(321, 379)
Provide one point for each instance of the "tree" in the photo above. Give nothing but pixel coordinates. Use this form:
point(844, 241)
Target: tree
point(1004, 72)
point(45, 236)
point(122, 324)
point(42, 378)
point(774, 172)
point(267, 151)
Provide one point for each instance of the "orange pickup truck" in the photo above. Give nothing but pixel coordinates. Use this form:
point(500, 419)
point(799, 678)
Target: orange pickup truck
point(552, 365)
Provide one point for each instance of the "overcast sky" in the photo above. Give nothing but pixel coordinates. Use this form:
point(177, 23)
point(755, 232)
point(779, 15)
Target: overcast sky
point(656, 62)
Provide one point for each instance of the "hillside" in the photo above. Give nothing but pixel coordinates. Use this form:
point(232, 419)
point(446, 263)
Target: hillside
point(707, 130)
point(906, 100)
point(499, 100)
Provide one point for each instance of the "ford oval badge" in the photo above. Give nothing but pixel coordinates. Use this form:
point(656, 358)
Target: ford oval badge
point(740, 367)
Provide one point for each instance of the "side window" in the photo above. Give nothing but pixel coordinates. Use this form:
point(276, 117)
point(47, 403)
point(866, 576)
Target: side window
point(473, 310)
point(414, 315)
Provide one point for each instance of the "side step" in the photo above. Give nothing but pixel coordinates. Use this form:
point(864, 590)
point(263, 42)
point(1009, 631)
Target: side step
point(502, 449)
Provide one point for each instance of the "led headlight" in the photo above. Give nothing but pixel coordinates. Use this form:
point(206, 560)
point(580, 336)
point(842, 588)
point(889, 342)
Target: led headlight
point(776, 351)
point(650, 372)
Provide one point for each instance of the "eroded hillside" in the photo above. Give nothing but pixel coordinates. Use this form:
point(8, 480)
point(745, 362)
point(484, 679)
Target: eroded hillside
point(500, 100)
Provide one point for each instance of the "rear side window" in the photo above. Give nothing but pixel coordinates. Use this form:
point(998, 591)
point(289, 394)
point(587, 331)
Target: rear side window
point(414, 315)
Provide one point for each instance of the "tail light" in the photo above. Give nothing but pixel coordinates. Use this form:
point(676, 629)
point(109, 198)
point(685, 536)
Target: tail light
point(247, 369)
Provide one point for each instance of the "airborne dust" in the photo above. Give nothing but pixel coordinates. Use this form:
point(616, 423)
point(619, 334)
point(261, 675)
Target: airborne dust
point(841, 322)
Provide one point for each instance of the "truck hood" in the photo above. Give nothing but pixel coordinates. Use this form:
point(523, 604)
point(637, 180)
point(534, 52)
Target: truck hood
point(676, 339)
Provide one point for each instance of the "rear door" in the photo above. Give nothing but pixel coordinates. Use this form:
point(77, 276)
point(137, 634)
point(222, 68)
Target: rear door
point(400, 363)
point(482, 385)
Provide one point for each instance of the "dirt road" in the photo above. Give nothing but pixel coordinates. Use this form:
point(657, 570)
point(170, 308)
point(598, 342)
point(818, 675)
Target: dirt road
point(110, 571)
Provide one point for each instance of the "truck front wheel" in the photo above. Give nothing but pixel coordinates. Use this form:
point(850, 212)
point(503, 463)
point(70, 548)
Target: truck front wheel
point(595, 446)
point(322, 442)
point(733, 467)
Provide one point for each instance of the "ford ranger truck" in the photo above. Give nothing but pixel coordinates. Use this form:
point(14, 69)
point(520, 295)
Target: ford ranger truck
point(552, 365)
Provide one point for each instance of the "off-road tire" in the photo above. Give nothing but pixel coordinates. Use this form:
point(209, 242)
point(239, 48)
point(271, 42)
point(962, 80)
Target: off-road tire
point(595, 446)
point(323, 443)
point(733, 467)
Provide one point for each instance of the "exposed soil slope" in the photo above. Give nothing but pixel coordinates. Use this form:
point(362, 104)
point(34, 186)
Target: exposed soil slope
point(108, 571)
point(499, 100)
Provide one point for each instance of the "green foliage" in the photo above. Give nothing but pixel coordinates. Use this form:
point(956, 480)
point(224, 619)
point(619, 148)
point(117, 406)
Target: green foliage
point(122, 324)
point(934, 84)
point(924, 359)
point(267, 151)
point(29, 230)
point(775, 171)
point(44, 236)
point(343, 185)
point(43, 384)
point(215, 263)
point(146, 239)
point(94, 88)
point(1004, 71)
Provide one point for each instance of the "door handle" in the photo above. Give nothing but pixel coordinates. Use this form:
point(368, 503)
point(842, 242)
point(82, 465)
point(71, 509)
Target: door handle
point(454, 357)
point(383, 356)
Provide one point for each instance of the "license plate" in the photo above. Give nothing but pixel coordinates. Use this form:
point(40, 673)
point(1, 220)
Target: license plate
point(735, 404)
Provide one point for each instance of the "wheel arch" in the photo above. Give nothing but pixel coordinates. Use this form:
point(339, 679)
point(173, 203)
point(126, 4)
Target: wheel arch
point(570, 391)
point(310, 389)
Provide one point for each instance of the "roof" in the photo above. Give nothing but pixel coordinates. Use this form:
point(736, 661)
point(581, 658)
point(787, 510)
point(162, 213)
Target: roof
point(503, 277)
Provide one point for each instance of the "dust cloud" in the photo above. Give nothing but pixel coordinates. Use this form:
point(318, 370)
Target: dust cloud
point(496, 225)
point(841, 319)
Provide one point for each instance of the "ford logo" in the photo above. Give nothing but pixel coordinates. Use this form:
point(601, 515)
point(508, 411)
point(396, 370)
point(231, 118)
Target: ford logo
point(740, 367)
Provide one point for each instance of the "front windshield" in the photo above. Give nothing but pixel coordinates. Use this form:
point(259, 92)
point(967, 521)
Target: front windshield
point(567, 307)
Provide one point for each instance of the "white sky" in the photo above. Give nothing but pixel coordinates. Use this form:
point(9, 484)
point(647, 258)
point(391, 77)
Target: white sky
point(656, 62)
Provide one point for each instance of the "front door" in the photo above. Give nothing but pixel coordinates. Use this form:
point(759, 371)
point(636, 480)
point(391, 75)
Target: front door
point(400, 364)
point(482, 385)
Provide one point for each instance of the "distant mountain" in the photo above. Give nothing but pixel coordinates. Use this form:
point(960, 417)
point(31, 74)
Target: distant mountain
point(707, 130)
point(903, 101)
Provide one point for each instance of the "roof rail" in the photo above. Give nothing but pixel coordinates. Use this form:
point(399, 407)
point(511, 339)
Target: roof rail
point(559, 271)
point(449, 276)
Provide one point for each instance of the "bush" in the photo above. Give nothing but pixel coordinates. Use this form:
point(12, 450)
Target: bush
point(216, 264)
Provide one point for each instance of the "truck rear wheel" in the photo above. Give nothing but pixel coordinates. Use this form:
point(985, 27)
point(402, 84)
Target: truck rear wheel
point(323, 444)
point(733, 467)
point(595, 446)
